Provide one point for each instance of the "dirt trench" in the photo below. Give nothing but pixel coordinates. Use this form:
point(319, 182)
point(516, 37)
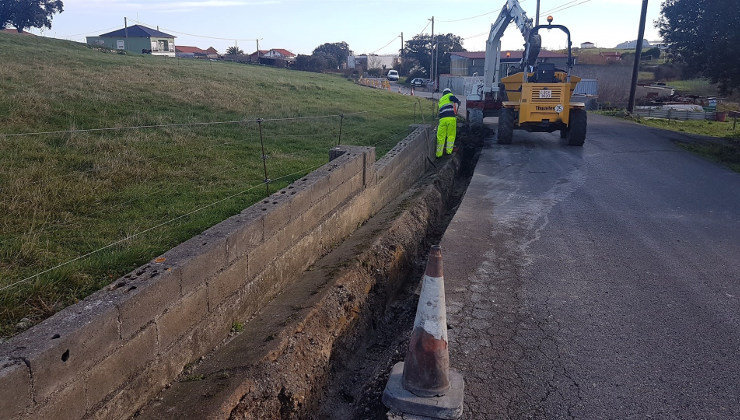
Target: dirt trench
point(361, 361)
point(325, 348)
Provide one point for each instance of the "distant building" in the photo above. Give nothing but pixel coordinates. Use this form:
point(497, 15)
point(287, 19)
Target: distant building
point(137, 39)
point(279, 53)
point(631, 45)
point(659, 44)
point(183, 51)
point(610, 57)
point(212, 52)
point(588, 45)
point(472, 63)
point(13, 31)
point(372, 61)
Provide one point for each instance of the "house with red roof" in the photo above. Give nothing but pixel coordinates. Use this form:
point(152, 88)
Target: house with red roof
point(184, 51)
point(279, 53)
point(15, 32)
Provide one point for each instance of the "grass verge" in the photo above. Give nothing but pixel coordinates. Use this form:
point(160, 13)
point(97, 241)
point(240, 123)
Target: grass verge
point(65, 195)
point(723, 130)
point(728, 155)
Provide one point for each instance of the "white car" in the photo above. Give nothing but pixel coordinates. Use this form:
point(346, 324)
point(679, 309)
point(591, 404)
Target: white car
point(393, 76)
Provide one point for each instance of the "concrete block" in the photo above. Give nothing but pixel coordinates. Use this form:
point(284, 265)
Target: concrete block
point(143, 299)
point(276, 213)
point(448, 406)
point(66, 345)
point(263, 287)
point(197, 259)
point(131, 357)
point(136, 392)
point(346, 190)
point(15, 383)
point(348, 166)
point(316, 213)
point(228, 282)
point(67, 403)
point(274, 246)
point(316, 184)
point(182, 316)
point(246, 231)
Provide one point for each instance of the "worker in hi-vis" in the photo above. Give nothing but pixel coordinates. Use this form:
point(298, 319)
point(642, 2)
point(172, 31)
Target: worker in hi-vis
point(447, 129)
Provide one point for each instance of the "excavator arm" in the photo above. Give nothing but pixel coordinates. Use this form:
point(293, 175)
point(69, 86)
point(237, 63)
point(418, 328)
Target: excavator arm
point(511, 12)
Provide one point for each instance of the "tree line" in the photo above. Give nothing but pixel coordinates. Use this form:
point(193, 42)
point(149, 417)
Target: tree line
point(24, 14)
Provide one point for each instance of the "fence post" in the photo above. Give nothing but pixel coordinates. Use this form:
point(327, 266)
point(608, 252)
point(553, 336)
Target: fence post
point(341, 123)
point(264, 157)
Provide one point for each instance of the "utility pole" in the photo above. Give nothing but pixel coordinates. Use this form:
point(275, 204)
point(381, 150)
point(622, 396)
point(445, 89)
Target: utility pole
point(258, 50)
point(638, 54)
point(125, 26)
point(401, 44)
point(436, 62)
point(431, 65)
point(537, 17)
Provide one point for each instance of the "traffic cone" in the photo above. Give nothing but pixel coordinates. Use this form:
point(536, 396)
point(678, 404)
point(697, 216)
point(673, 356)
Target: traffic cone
point(424, 384)
point(427, 364)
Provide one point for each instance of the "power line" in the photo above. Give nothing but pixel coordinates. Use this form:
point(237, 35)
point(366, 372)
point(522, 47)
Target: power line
point(195, 35)
point(559, 6)
point(566, 7)
point(135, 235)
point(389, 43)
point(471, 17)
point(191, 124)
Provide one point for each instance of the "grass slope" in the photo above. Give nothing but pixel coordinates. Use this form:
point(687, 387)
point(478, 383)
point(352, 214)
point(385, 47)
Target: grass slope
point(62, 196)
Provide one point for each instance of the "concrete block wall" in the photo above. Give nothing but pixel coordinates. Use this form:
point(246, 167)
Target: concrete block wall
point(107, 355)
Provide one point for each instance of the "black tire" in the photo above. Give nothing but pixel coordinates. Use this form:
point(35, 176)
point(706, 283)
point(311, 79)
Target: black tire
point(475, 116)
point(577, 127)
point(505, 126)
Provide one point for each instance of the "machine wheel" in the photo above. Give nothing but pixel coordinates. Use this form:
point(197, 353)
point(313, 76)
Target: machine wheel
point(563, 133)
point(577, 127)
point(475, 116)
point(505, 126)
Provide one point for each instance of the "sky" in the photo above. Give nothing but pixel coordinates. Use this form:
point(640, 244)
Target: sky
point(370, 26)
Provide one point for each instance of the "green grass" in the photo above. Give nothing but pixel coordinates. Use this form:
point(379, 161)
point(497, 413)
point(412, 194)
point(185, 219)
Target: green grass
point(62, 196)
point(705, 128)
point(699, 87)
point(728, 155)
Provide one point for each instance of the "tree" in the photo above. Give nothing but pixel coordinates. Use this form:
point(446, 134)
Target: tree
point(703, 34)
point(29, 13)
point(234, 51)
point(419, 48)
point(338, 51)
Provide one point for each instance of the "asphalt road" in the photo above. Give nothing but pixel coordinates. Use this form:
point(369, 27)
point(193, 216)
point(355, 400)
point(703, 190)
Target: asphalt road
point(596, 282)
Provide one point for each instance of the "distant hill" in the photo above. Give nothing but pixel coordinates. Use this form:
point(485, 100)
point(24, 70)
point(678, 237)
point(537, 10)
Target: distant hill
point(631, 45)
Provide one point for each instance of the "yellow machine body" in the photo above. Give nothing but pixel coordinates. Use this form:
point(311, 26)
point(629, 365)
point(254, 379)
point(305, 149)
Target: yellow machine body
point(540, 104)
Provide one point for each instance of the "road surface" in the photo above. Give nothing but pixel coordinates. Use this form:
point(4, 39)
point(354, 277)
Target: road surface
point(596, 282)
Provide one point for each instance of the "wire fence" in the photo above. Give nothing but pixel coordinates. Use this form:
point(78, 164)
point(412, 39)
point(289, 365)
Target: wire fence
point(47, 213)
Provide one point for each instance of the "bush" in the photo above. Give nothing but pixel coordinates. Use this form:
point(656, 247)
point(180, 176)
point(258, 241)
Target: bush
point(374, 72)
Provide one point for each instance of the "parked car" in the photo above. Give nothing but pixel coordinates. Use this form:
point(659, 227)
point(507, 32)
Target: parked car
point(393, 76)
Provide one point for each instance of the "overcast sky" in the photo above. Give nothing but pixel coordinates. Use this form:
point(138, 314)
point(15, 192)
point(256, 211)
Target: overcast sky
point(367, 26)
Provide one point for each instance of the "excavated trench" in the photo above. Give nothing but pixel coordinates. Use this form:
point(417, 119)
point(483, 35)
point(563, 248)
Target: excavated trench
point(361, 361)
point(325, 348)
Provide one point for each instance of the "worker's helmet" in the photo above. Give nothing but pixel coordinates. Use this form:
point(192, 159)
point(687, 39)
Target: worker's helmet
point(446, 91)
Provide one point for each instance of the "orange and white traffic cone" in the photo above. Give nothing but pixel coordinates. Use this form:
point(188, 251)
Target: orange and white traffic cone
point(425, 371)
point(424, 384)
